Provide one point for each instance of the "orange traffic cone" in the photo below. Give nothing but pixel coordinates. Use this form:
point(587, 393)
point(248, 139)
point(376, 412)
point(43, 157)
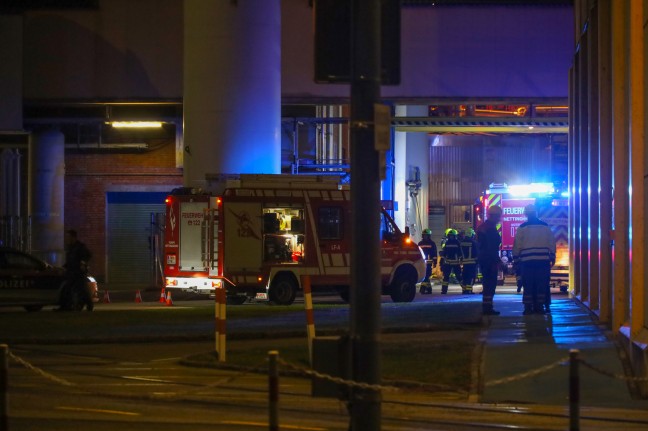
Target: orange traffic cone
point(162, 296)
point(169, 300)
point(138, 296)
point(106, 298)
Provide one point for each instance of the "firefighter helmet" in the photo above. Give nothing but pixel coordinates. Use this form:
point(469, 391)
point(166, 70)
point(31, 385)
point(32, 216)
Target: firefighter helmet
point(451, 232)
point(495, 210)
point(471, 233)
point(427, 232)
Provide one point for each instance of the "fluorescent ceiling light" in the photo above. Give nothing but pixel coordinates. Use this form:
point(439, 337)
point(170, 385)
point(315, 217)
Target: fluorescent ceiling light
point(136, 124)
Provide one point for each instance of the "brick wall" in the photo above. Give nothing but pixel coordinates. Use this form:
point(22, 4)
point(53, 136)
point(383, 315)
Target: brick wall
point(89, 175)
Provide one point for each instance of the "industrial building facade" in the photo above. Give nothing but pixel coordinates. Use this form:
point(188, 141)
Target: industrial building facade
point(608, 168)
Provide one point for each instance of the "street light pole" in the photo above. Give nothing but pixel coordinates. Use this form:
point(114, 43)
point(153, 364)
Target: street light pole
point(365, 404)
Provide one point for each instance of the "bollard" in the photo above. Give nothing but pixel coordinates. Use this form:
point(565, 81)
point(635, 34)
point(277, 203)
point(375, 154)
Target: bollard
point(310, 318)
point(273, 391)
point(220, 312)
point(574, 391)
point(4, 387)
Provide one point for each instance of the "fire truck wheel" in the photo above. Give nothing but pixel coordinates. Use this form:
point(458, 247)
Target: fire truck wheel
point(283, 290)
point(403, 288)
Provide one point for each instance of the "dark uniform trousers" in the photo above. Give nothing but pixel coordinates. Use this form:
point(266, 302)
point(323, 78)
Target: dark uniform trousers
point(448, 269)
point(536, 275)
point(489, 280)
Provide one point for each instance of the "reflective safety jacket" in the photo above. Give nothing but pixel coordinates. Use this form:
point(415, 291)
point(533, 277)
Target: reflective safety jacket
point(534, 243)
point(468, 250)
point(451, 252)
point(429, 249)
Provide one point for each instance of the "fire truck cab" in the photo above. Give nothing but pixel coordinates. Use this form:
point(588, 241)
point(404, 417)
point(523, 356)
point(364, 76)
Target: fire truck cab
point(261, 233)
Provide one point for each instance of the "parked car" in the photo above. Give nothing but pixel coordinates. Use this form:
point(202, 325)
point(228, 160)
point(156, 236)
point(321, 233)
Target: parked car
point(28, 281)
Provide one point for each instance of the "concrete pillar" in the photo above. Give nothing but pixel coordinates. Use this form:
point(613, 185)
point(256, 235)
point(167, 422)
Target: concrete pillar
point(571, 174)
point(621, 165)
point(593, 162)
point(46, 194)
point(638, 168)
point(583, 185)
point(232, 88)
point(605, 160)
point(412, 160)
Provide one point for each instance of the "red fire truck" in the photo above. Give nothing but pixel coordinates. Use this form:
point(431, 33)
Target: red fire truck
point(552, 207)
point(258, 234)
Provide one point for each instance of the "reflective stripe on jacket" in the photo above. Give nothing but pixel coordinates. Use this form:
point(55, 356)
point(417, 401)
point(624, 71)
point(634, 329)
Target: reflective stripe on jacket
point(451, 252)
point(429, 249)
point(534, 242)
point(468, 250)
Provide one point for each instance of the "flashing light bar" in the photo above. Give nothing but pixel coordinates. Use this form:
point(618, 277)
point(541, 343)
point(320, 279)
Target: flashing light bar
point(528, 189)
point(521, 190)
point(136, 124)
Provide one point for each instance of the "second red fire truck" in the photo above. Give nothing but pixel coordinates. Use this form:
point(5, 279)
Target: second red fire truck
point(551, 205)
point(257, 235)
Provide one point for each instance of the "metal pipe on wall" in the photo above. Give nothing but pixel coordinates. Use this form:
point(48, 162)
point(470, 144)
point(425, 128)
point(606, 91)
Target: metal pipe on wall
point(46, 194)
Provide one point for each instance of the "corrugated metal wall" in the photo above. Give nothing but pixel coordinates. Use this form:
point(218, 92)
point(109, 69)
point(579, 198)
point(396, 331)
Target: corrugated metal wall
point(462, 167)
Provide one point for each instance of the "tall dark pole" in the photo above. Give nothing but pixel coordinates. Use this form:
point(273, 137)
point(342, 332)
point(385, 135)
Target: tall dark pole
point(365, 405)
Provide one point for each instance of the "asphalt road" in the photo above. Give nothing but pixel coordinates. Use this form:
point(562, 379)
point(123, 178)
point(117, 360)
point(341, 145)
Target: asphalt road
point(143, 386)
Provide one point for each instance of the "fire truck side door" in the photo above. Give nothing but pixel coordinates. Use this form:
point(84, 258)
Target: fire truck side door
point(242, 226)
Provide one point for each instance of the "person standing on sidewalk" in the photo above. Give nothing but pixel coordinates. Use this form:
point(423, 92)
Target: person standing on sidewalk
point(429, 249)
point(534, 248)
point(77, 256)
point(450, 259)
point(469, 260)
point(488, 248)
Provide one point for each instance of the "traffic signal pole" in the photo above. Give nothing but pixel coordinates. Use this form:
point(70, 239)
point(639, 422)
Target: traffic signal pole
point(365, 295)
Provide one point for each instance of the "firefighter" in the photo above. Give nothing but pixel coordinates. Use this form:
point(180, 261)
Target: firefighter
point(488, 247)
point(455, 277)
point(429, 249)
point(469, 259)
point(534, 248)
point(450, 259)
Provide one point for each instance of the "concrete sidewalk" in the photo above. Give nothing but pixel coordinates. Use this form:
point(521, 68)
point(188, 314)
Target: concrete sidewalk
point(515, 345)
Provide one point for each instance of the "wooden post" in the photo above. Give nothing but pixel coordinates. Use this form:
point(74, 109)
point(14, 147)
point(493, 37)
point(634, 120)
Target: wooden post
point(273, 391)
point(220, 311)
point(574, 391)
point(310, 318)
point(4, 386)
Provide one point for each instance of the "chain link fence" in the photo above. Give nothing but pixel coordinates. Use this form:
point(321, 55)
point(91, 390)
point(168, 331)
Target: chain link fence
point(573, 360)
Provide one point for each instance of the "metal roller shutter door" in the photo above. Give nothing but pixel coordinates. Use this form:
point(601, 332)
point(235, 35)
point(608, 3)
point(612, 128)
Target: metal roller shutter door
point(128, 235)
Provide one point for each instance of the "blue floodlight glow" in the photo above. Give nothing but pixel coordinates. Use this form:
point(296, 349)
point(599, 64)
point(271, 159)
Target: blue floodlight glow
point(565, 194)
